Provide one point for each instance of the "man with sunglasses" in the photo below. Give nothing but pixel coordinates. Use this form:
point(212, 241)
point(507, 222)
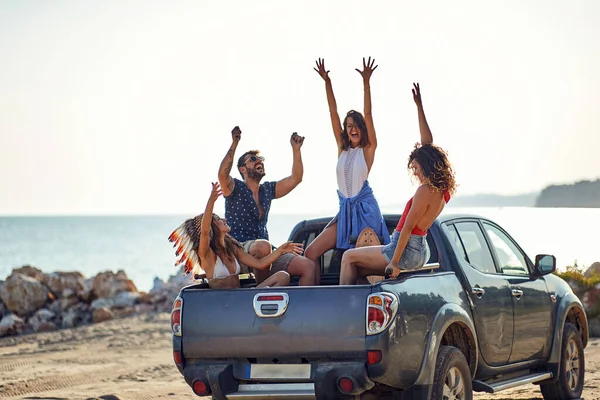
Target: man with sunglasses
point(248, 202)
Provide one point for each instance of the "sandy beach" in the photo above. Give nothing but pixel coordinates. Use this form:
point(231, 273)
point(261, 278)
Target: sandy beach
point(131, 358)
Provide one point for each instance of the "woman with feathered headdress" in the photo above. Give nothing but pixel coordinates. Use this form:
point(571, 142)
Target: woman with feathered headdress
point(205, 246)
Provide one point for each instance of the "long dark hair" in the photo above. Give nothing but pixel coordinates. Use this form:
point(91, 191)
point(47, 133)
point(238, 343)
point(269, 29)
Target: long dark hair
point(435, 165)
point(359, 121)
point(231, 245)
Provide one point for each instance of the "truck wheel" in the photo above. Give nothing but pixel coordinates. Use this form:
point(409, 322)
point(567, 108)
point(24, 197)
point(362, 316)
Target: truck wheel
point(452, 376)
point(571, 370)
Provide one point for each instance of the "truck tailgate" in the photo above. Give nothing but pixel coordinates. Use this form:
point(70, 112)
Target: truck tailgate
point(318, 322)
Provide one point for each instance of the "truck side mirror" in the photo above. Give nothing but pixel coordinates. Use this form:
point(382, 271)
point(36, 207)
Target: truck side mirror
point(544, 264)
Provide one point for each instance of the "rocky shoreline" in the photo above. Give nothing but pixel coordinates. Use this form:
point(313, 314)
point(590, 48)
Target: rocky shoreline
point(33, 301)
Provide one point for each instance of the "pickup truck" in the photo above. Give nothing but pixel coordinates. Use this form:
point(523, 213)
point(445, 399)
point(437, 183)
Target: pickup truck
point(479, 316)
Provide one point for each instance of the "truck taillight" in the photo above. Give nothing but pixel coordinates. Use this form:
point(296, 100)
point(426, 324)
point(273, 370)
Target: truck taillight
point(381, 310)
point(176, 316)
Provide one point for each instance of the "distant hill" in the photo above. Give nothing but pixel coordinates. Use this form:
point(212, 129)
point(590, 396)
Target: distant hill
point(495, 200)
point(580, 194)
point(584, 194)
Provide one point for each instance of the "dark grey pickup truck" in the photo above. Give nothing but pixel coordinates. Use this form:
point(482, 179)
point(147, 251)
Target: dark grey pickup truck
point(480, 316)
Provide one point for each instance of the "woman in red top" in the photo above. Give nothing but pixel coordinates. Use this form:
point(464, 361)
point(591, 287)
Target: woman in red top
point(408, 249)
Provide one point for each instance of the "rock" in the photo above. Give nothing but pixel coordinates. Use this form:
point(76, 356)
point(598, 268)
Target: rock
point(31, 272)
point(179, 281)
point(67, 302)
point(1, 309)
point(123, 312)
point(147, 298)
point(158, 284)
point(40, 317)
point(126, 299)
point(102, 303)
point(55, 307)
point(11, 325)
point(65, 284)
point(69, 320)
point(47, 327)
point(77, 315)
point(107, 284)
point(144, 308)
point(88, 293)
point(22, 294)
point(593, 270)
point(101, 314)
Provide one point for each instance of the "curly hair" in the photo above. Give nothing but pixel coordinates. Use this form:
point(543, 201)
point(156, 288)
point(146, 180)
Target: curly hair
point(192, 228)
point(435, 165)
point(359, 121)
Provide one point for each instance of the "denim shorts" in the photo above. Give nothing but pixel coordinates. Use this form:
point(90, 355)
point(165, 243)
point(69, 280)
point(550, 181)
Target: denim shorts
point(415, 255)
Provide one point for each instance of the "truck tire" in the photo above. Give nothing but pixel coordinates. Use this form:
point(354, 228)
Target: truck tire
point(452, 376)
point(571, 369)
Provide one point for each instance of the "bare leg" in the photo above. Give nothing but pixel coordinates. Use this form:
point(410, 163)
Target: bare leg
point(259, 249)
point(279, 278)
point(304, 268)
point(325, 241)
point(370, 259)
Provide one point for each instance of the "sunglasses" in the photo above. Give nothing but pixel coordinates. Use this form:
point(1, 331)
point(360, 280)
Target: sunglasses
point(254, 159)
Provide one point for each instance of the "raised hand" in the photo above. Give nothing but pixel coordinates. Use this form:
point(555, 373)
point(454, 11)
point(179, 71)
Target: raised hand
point(290, 247)
point(216, 191)
point(236, 134)
point(296, 140)
point(321, 69)
point(368, 69)
point(416, 91)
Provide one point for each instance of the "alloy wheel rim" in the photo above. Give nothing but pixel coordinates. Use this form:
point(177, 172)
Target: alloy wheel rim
point(454, 385)
point(572, 370)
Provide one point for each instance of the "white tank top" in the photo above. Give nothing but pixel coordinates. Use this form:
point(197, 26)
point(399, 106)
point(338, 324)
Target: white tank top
point(221, 270)
point(352, 171)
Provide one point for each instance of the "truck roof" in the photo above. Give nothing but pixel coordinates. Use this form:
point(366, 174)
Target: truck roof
point(389, 218)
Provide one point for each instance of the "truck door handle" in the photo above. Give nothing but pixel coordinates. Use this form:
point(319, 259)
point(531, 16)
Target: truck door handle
point(517, 293)
point(477, 291)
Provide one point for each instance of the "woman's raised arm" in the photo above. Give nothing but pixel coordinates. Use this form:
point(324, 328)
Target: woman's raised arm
point(336, 125)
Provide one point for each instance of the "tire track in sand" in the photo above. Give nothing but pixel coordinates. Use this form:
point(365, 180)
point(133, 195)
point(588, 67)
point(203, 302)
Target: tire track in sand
point(48, 383)
point(23, 363)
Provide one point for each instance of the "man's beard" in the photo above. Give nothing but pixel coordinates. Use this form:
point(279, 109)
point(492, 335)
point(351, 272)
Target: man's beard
point(255, 175)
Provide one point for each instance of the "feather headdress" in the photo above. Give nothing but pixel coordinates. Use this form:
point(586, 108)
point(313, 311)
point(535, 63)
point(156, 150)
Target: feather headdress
point(183, 243)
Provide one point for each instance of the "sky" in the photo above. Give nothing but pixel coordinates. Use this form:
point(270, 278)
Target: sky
point(126, 107)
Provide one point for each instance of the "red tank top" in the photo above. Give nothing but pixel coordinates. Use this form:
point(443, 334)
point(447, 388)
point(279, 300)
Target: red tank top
point(416, 230)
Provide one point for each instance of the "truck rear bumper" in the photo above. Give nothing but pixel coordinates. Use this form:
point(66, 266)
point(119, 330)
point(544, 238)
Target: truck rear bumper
point(326, 380)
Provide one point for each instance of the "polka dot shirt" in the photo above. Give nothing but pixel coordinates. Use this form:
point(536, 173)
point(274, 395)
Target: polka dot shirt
point(242, 213)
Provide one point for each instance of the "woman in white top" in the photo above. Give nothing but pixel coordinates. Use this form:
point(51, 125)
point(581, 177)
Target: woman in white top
point(205, 245)
point(356, 144)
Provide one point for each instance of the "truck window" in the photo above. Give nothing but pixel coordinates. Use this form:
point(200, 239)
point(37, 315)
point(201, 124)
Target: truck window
point(332, 261)
point(512, 261)
point(476, 248)
point(453, 235)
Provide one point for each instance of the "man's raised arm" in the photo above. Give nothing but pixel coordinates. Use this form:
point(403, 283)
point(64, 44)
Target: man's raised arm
point(225, 179)
point(286, 185)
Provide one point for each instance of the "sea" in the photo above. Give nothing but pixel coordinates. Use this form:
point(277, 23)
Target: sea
point(139, 244)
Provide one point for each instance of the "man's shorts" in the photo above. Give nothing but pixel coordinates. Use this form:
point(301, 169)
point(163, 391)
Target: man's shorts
point(281, 264)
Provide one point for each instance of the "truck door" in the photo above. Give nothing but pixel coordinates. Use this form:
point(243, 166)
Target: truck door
point(531, 301)
point(489, 290)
